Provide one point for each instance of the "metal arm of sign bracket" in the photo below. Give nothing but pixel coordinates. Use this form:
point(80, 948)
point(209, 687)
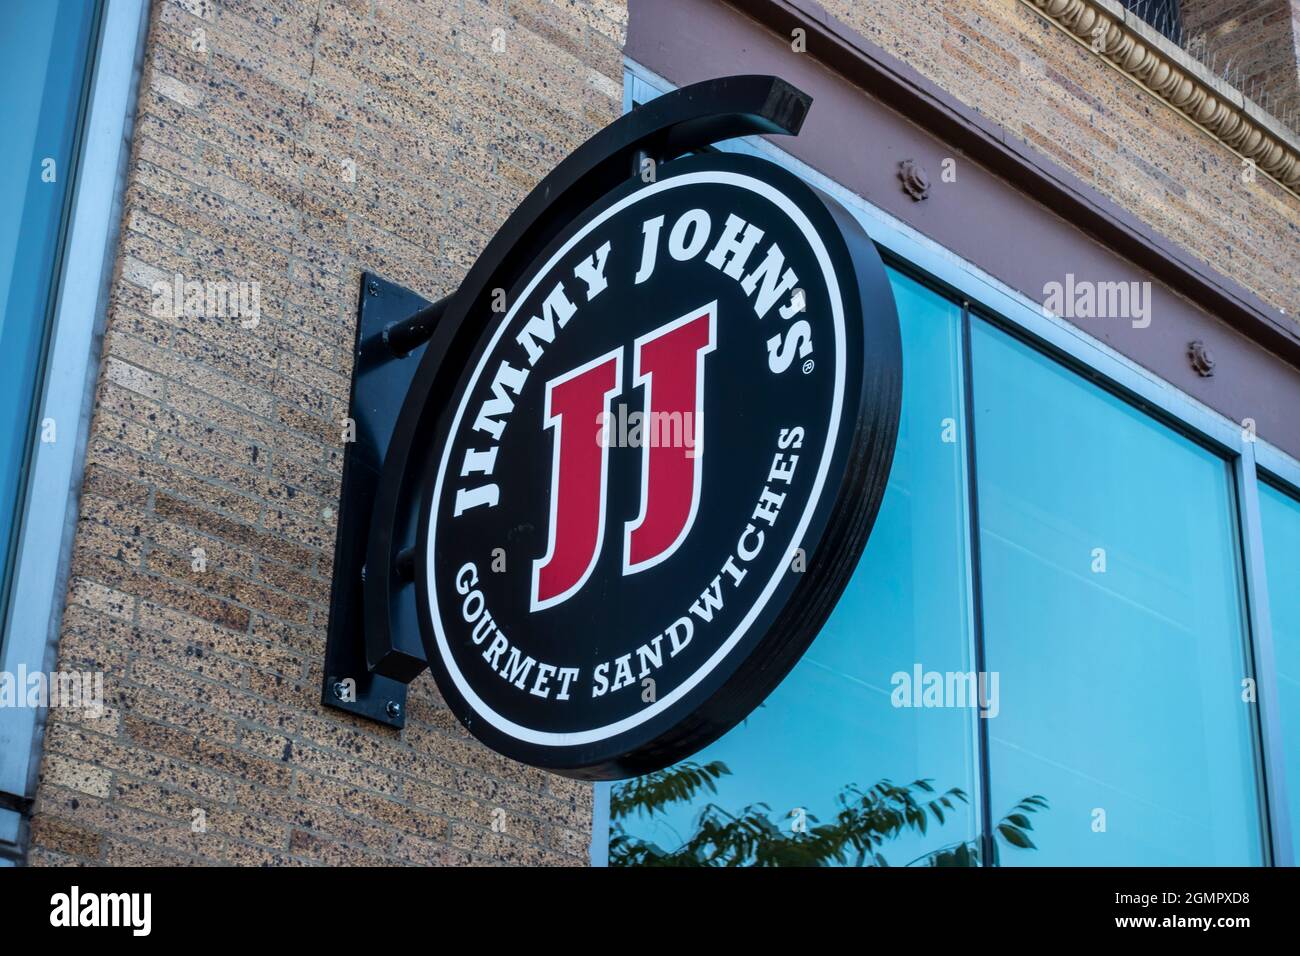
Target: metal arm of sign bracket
point(410, 333)
point(368, 668)
point(393, 325)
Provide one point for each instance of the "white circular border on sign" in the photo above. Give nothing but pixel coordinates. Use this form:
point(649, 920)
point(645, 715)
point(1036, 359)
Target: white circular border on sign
point(550, 739)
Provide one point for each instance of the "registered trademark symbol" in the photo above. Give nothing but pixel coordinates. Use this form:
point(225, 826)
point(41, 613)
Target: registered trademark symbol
point(808, 366)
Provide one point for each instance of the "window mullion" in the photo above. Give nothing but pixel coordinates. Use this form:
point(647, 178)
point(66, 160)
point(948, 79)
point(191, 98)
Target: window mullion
point(975, 584)
point(1264, 662)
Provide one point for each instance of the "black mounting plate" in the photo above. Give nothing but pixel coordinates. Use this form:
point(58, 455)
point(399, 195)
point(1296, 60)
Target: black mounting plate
point(379, 673)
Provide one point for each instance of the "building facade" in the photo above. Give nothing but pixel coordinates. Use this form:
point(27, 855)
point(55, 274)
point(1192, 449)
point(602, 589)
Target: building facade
point(1074, 636)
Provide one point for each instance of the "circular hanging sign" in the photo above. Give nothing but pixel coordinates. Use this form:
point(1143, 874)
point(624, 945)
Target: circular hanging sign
point(658, 469)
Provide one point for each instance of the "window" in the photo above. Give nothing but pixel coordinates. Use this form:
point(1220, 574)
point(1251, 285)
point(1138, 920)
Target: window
point(1108, 595)
point(1114, 619)
point(1279, 515)
point(829, 745)
point(44, 59)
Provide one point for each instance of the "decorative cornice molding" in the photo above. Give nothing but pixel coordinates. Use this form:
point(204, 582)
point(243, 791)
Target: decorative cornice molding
point(1126, 41)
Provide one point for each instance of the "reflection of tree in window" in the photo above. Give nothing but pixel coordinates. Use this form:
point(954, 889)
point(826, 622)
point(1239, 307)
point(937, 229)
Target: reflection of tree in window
point(864, 824)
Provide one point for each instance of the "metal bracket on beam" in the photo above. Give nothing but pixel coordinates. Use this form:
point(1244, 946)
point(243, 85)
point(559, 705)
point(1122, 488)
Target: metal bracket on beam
point(363, 675)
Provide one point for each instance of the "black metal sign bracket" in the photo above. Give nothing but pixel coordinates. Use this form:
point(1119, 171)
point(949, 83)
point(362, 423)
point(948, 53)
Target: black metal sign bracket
point(364, 675)
point(373, 647)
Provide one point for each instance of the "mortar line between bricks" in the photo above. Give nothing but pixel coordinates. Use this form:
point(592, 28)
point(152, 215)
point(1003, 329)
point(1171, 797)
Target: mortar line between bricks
point(211, 370)
point(265, 471)
point(150, 508)
point(253, 499)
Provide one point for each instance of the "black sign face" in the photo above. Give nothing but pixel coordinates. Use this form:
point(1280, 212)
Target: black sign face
point(658, 468)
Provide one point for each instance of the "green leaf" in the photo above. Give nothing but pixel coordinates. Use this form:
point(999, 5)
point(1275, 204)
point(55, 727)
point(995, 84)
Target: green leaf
point(1015, 837)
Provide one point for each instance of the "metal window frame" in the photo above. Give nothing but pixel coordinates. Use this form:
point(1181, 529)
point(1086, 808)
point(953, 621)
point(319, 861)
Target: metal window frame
point(48, 512)
point(975, 587)
point(1278, 467)
point(1243, 452)
point(1269, 465)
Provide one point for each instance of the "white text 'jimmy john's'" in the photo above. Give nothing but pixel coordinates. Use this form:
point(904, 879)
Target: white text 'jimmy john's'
point(731, 251)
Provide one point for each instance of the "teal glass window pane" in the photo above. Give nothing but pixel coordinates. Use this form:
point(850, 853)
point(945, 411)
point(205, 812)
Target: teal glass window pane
point(44, 50)
point(831, 733)
point(1113, 616)
point(1279, 518)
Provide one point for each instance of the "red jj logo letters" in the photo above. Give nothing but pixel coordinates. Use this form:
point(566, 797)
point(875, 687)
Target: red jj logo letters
point(668, 365)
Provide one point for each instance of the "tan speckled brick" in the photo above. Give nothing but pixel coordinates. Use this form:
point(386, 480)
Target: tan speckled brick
point(320, 849)
point(57, 834)
point(114, 755)
point(76, 775)
point(502, 846)
point(576, 843)
point(123, 853)
point(210, 435)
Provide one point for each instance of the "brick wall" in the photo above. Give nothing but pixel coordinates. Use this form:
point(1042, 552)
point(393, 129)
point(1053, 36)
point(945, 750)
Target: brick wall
point(295, 143)
point(292, 143)
point(1259, 38)
point(1005, 60)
